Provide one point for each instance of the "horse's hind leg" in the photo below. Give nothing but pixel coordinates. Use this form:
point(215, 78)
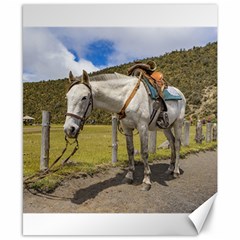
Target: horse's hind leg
point(130, 149)
point(169, 135)
point(178, 132)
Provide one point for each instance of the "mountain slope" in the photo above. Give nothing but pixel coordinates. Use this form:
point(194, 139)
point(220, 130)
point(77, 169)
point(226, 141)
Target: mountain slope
point(193, 71)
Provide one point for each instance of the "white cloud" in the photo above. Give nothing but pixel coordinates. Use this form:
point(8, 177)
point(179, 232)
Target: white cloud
point(45, 57)
point(133, 43)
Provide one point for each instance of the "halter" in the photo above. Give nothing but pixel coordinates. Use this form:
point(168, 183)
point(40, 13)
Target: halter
point(83, 118)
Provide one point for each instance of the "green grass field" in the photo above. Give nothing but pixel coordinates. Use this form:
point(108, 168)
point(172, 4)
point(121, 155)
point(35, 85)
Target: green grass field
point(94, 151)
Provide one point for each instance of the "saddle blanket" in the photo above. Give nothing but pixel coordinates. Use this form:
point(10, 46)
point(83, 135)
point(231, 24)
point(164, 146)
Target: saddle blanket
point(152, 92)
point(171, 94)
point(168, 94)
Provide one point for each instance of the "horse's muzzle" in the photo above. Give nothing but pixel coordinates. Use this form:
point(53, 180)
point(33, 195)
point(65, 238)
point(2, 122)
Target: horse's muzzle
point(72, 131)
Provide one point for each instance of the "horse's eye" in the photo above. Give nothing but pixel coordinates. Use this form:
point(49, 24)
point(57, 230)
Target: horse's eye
point(84, 98)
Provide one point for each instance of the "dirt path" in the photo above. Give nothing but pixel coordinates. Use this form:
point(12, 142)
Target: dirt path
point(105, 192)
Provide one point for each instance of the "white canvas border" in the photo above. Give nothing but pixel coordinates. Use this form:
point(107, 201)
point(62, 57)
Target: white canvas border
point(120, 15)
point(87, 224)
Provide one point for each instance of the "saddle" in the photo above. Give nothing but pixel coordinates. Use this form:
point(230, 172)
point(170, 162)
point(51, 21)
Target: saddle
point(152, 79)
point(155, 85)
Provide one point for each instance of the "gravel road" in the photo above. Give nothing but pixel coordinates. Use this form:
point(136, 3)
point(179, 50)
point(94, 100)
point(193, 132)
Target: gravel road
point(105, 193)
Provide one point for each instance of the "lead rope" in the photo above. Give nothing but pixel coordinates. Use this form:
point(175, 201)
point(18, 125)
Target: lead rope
point(42, 174)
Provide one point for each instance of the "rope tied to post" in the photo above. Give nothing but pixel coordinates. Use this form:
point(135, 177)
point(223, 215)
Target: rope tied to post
point(42, 174)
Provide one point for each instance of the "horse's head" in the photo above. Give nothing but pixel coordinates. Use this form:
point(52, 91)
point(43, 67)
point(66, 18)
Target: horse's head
point(79, 104)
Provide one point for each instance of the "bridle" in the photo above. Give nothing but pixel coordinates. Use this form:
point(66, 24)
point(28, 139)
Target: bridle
point(90, 103)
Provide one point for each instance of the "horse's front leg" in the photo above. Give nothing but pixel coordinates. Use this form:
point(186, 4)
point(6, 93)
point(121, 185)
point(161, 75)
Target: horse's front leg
point(130, 149)
point(143, 132)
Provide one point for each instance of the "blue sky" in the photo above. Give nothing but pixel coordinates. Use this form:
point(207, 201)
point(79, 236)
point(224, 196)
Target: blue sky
point(98, 52)
point(50, 53)
point(75, 54)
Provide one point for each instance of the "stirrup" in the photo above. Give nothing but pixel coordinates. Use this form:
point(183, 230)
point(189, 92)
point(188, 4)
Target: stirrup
point(163, 120)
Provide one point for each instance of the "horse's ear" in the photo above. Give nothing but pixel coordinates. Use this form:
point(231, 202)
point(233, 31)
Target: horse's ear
point(71, 77)
point(85, 78)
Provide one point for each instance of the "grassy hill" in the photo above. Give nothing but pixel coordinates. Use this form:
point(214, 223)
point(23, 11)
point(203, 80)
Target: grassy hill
point(193, 71)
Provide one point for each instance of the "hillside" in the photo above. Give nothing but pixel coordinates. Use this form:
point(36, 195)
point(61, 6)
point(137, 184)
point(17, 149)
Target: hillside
point(193, 71)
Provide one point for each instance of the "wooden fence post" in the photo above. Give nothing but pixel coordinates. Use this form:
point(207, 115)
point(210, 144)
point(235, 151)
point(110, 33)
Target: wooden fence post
point(114, 139)
point(199, 136)
point(44, 159)
point(186, 133)
point(208, 132)
point(214, 132)
point(152, 141)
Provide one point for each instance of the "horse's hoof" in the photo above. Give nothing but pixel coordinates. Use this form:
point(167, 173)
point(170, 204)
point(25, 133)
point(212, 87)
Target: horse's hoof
point(127, 181)
point(146, 187)
point(176, 175)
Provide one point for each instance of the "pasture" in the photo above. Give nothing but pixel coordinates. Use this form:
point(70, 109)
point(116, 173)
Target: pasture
point(94, 152)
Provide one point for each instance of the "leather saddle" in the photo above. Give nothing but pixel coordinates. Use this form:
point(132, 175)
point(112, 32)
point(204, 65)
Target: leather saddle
point(149, 76)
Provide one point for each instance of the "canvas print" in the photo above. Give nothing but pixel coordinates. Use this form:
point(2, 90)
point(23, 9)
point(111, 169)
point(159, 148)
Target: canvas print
point(119, 119)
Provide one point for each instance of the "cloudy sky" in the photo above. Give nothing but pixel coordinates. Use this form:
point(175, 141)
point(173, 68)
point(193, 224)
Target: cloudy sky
point(50, 53)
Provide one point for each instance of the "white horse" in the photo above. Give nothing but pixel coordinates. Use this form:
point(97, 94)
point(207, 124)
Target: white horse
point(110, 92)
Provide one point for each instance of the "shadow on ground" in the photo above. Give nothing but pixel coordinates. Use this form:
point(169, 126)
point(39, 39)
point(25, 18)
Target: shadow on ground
point(159, 175)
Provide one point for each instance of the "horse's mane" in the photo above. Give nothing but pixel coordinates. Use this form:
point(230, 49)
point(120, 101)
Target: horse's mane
point(108, 76)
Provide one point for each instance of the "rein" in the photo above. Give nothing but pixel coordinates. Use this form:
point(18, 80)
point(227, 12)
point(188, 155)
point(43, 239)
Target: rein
point(42, 174)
